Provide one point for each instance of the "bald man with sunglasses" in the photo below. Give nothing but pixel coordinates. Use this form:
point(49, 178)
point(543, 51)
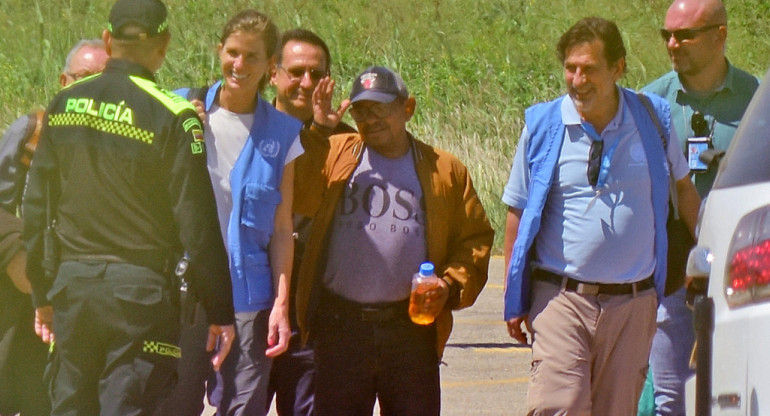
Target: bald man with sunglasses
point(708, 97)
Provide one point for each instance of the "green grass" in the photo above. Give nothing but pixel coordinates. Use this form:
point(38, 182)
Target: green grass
point(474, 66)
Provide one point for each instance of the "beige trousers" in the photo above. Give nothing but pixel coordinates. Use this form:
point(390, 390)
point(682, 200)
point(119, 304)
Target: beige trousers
point(590, 352)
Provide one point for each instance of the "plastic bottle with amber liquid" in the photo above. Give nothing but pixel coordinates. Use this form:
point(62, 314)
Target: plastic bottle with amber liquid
point(423, 281)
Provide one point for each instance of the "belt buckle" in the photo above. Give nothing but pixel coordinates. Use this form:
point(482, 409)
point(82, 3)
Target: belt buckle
point(587, 289)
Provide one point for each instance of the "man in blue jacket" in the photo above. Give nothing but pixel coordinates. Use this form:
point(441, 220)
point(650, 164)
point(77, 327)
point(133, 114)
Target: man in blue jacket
point(586, 230)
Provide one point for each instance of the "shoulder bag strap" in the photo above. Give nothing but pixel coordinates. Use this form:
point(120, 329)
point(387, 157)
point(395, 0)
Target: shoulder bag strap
point(31, 137)
point(672, 182)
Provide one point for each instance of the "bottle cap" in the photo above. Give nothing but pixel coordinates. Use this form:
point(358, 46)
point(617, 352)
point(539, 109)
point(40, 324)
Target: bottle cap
point(426, 269)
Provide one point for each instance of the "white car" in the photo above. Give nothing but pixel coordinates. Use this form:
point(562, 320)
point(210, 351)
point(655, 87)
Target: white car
point(733, 252)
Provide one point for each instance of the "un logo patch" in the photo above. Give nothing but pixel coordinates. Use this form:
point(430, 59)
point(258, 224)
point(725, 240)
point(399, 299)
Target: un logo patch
point(269, 148)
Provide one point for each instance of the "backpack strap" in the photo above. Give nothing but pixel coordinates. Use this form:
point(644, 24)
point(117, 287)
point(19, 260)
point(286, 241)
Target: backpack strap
point(31, 137)
point(648, 106)
point(672, 182)
point(197, 93)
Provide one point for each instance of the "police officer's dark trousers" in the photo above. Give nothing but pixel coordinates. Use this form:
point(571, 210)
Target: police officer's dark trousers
point(116, 328)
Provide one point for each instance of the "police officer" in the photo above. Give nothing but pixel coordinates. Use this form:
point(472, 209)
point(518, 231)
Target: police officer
point(120, 170)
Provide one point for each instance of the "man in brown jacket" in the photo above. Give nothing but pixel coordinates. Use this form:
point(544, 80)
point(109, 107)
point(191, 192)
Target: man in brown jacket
point(22, 353)
point(383, 202)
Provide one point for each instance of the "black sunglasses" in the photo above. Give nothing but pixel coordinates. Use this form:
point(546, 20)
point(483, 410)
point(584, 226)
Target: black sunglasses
point(296, 73)
point(595, 161)
point(686, 34)
point(700, 127)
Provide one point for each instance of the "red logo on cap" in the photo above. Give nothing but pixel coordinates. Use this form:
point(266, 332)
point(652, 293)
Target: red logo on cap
point(367, 80)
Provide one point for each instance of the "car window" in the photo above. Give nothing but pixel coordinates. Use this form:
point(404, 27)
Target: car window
point(748, 158)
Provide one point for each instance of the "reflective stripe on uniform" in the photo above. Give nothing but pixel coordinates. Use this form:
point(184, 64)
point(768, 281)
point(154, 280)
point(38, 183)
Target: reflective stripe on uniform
point(161, 348)
point(107, 126)
point(175, 103)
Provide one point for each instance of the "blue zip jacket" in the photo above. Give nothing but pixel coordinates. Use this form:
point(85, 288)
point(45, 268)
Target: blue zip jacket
point(546, 130)
point(255, 182)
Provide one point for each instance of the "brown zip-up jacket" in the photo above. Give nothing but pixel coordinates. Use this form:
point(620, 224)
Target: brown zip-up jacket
point(458, 234)
point(10, 238)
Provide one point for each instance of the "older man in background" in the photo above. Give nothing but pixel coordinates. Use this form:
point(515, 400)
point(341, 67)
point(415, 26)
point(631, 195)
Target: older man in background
point(86, 58)
point(22, 353)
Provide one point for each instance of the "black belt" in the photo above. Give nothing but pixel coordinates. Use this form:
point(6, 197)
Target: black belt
point(594, 288)
point(332, 303)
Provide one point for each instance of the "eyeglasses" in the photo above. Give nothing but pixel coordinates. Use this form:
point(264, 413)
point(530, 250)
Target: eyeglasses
point(700, 126)
point(296, 73)
point(376, 110)
point(77, 77)
point(686, 34)
point(595, 161)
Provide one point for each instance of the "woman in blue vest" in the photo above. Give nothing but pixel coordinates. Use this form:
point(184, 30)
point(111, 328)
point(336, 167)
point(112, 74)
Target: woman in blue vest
point(250, 148)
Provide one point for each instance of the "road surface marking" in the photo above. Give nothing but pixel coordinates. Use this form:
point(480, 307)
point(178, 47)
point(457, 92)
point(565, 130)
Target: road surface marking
point(505, 350)
point(453, 384)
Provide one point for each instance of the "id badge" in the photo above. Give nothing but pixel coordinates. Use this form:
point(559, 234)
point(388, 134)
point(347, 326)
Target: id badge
point(696, 146)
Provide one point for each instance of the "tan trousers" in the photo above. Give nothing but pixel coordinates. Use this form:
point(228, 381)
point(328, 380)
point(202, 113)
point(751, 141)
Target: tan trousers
point(590, 352)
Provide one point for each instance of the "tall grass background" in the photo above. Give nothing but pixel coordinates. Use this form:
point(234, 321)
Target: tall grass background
point(474, 66)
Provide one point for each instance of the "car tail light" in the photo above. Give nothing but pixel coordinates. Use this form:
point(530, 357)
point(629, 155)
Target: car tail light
point(748, 277)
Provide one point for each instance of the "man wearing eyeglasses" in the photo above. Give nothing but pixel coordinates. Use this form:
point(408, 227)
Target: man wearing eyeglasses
point(384, 202)
point(585, 238)
point(708, 97)
point(86, 58)
point(23, 355)
point(303, 59)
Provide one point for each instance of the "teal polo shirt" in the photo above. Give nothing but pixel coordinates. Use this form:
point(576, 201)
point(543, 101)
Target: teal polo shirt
point(722, 109)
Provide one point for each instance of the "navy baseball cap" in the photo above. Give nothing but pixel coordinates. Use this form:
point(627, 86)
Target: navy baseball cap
point(378, 84)
point(148, 16)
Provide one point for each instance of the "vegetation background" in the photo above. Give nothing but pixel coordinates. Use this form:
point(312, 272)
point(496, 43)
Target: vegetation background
point(474, 66)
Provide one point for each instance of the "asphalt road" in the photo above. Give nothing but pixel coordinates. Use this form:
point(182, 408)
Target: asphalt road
point(484, 372)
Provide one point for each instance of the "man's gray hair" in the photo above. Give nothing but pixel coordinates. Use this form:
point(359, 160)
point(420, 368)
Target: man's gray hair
point(93, 43)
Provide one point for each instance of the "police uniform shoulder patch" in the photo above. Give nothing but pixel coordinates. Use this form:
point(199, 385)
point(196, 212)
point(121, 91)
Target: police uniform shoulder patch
point(197, 148)
point(192, 123)
point(193, 126)
point(197, 135)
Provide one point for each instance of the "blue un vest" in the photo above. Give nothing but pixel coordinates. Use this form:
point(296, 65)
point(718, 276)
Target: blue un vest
point(546, 130)
point(255, 182)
